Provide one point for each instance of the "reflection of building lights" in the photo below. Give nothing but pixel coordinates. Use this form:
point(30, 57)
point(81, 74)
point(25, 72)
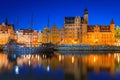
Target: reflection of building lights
point(109, 54)
point(28, 56)
point(32, 56)
point(118, 59)
point(43, 55)
point(38, 57)
point(17, 32)
point(29, 62)
point(16, 70)
point(72, 59)
point(94, 59)
point(24, 56)
point(60, 58)
point(48, 68)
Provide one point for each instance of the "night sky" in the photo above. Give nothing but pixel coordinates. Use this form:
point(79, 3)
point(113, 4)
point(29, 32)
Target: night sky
point(20, 12)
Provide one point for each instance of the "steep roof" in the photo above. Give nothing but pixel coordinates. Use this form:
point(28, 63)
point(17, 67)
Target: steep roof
point(112, 22)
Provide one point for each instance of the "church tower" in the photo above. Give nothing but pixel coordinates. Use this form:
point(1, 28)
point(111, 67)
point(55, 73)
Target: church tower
point(86, 15)
point(112, 26)
point(6, 21)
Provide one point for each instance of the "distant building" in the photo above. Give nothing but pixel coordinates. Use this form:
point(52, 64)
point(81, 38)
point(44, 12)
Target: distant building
point(97, 34)
point(73, 28)
point(62, 35)
point(45, 35)
point(40, 37)
point(76, 30)
point(54, 35)
point(6, 32)
point(28, 37)
point(51, 35)
point(117, 36)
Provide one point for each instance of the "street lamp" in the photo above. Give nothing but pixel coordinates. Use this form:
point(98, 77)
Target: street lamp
point(96, 41)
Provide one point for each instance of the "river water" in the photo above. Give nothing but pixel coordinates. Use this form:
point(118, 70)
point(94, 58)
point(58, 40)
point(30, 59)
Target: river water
point(61, 66)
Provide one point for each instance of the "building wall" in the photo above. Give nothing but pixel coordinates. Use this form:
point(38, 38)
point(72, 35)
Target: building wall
point(51, 35)
point(96, 37)
point(62, 35)
point(76, 31)
point(99, 38)
point(6, 33)
point(27, 37)
point(117, 36)
point(72, 30)
point(46, 35)
point(40, 37)
point(55, 35)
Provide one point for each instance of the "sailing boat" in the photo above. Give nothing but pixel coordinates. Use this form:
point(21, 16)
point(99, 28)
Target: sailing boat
point(14, 48)
point(47, 47)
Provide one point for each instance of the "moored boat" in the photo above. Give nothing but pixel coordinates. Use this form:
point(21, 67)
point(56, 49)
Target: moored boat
point(13, 47)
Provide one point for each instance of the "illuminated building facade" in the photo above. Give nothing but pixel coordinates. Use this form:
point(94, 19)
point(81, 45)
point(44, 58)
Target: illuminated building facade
point(72, 30)
point(97, 34)
point(51, 35)
point(55, 35)
point(40, 37)
point(45, 35)
point(62, 35)
point(117, 36)
point(27, 37)
point(6, 32)
point(77, 31)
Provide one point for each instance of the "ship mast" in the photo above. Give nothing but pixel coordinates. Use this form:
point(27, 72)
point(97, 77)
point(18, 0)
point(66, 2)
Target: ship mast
point(32, 22)
point(48, 30)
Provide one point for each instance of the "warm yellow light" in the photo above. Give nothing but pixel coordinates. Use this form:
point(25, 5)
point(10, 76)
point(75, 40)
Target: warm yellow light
point(94, 59)
point(72, 59)
point(38, 57)
point(60, 58)
point(74, 42)
point(96, 40)
point(118, 60)
point(109, 54)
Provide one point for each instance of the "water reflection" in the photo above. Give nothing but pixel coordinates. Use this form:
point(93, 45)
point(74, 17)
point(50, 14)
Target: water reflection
point(63, 67)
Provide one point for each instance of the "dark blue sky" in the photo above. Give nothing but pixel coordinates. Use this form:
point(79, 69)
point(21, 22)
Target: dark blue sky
point(100, 11)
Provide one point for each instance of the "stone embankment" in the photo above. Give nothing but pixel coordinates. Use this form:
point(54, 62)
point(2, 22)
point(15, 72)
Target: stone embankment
point(87, 48)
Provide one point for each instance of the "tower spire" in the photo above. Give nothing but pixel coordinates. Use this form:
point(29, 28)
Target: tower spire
point(6, 21)
point(86, 14)
point(112, 22)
